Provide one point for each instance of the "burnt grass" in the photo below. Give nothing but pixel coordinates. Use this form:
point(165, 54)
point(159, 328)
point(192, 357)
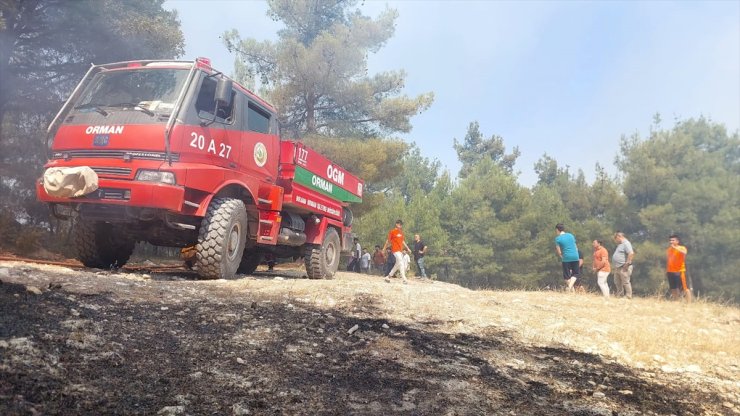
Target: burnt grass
point(98, 354)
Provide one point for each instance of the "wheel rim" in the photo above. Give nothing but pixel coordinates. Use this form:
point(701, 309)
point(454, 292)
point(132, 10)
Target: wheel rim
point(233, 245)
point(330, 253)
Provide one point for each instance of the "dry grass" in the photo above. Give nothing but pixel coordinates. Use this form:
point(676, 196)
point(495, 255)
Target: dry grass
point(642, 332)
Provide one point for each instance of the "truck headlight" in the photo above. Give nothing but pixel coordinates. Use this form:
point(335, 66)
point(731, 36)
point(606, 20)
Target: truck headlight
point(155, 176)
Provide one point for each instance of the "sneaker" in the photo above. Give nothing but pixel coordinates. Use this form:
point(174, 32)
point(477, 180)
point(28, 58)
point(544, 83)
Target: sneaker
point(405, 281)
point(387, 279)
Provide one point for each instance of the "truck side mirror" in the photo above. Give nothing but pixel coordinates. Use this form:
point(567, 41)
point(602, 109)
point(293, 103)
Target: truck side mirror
point(223, 92)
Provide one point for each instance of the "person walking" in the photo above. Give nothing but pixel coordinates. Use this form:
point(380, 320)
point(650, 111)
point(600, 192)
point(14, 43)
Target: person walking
point(378, 261)
point(397, 243)
point(601, 266)
point(622, 262)
point(676, 268)
point(420, 250)
point(565, 246)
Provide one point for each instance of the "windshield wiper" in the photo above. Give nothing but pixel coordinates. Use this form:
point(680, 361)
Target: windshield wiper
point(93, 106)
point(135, 106)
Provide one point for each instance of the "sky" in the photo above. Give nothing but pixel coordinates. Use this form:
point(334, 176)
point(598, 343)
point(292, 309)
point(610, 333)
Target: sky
point(562, 78)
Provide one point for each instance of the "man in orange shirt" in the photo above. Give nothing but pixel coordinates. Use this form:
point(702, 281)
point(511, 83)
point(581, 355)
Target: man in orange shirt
point(397, 243)
point(676, 268)
point(601, 266)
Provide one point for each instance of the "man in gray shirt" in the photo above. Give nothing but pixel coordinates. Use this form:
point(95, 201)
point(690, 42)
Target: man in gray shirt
point(622, 265)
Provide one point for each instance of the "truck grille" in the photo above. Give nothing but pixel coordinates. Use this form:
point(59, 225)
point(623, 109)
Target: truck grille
point(111, 171)
point(110, 194)
point(112, 154)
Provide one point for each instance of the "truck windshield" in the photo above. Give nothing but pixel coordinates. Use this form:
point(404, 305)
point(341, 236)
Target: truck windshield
point(148, 90)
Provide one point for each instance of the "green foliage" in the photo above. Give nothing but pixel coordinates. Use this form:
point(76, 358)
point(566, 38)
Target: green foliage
point(686, 181)
point(316, 73)
point(649, 277)
point(606, 199)
point(481, 217)
point(475, 148)
point(419, 173)
point(580, 200)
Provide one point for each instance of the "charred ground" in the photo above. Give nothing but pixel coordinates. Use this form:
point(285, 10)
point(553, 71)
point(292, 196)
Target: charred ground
point(86, 342)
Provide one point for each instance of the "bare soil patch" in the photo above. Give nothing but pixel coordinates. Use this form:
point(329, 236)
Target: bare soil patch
point(138, 342)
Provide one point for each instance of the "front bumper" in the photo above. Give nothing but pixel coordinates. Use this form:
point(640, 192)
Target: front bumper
point(125, 193)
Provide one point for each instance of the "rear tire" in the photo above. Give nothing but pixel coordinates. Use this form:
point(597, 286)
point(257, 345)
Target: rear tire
point(221, 239)
point(322, 261)
point(102, 245)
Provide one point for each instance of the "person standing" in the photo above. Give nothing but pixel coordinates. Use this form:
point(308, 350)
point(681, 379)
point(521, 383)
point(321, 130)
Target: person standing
point(676, 268)
point(398, 243)
point(622, 261)
point(565, 246)
point(365, 262)
point(406, 260)
point(378, 260)
point(601, 266)
point(420, 249)
point(354, 263)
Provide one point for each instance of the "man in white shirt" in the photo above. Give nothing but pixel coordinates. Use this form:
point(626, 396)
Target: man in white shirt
point(365, 262)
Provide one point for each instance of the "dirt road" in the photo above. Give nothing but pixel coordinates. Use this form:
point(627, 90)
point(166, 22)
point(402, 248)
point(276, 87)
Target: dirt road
point(88, 342)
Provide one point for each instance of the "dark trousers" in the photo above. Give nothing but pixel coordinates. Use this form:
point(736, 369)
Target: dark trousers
point(571, 269)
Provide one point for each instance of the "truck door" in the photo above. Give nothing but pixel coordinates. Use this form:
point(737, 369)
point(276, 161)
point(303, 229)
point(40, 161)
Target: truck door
point(213, 136)
point(260, 143)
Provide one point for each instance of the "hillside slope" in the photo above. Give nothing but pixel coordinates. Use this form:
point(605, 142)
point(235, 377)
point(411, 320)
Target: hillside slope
point(93, 342)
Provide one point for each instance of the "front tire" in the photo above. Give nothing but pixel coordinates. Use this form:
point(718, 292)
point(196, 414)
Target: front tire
point(102, 245)
point(322, 261)
point(221, 239)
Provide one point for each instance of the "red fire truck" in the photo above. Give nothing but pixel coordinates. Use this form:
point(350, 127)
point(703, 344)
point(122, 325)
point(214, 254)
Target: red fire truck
point(177, 154)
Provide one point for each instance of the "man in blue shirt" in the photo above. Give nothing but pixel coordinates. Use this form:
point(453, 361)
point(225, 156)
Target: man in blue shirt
point(565, 246)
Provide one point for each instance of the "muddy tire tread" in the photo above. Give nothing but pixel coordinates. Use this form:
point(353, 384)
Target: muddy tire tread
point(96, 248)
point(212, 236)
point(314, 257)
